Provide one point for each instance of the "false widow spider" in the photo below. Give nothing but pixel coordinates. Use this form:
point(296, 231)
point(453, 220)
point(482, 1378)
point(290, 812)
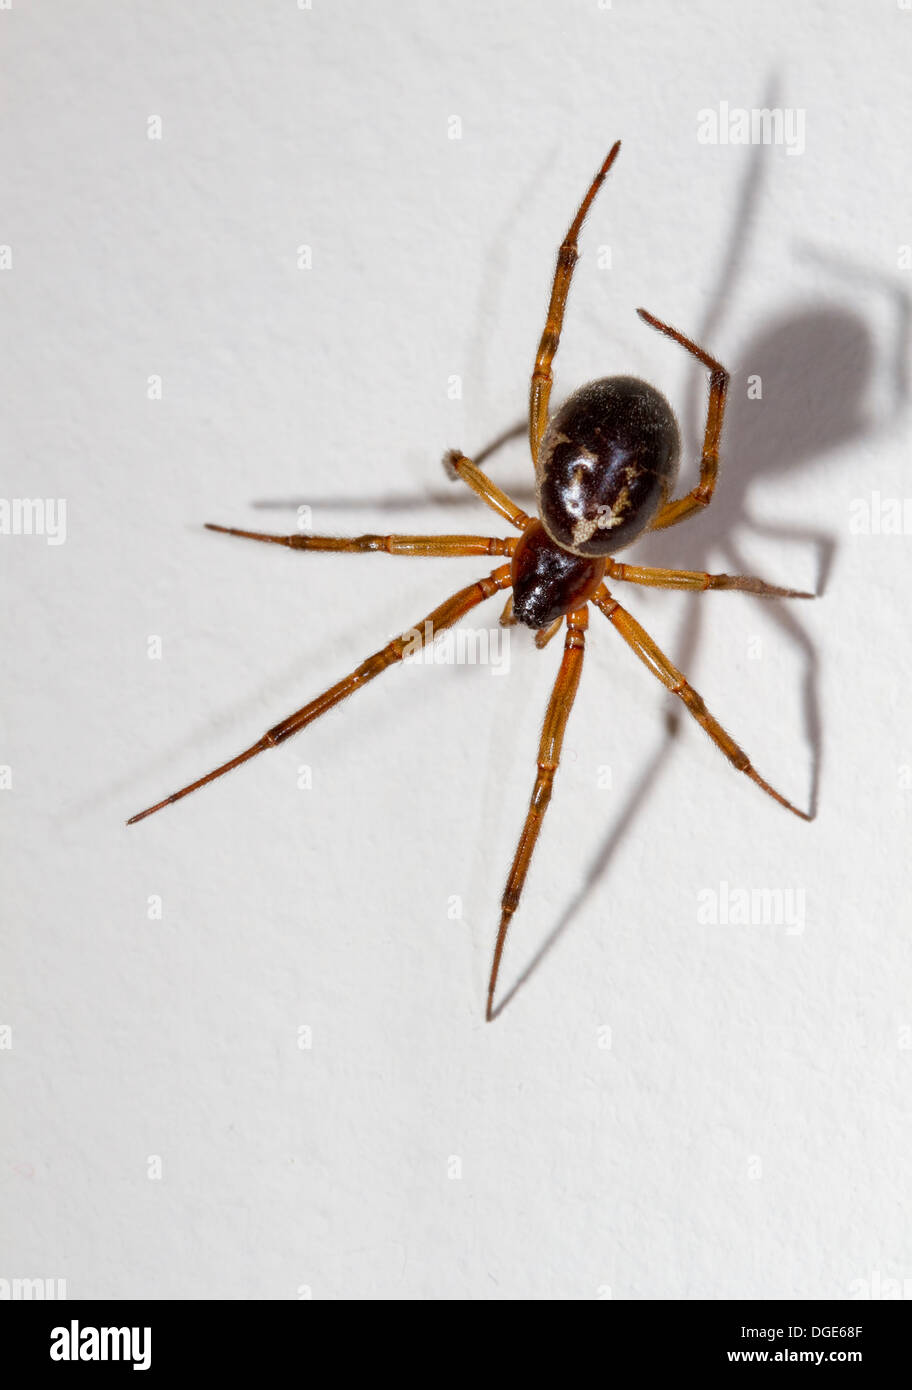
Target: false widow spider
point(605, 466)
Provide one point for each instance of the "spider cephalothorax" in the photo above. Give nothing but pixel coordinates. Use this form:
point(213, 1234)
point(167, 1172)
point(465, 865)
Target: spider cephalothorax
point(548, 580)
point(605, 465)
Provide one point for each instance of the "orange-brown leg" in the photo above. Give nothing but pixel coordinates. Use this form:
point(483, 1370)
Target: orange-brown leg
point(390, 545)
point(638, 638)
point(544, 634)
point(444, 616)
point(540, 389)
point(458, 466)
point(697, 579)
point(701, 496)
point(508, 617)
point(549, 750)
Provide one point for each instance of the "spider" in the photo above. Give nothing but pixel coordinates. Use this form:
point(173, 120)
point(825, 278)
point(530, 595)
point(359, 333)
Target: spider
point(605, 467)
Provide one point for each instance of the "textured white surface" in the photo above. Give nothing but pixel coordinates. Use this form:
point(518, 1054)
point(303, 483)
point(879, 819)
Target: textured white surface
point(746, 1133)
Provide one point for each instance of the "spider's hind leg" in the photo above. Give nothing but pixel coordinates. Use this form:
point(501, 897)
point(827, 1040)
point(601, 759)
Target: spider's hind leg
point(457, 466)
point(682, 507)
point(540, 385)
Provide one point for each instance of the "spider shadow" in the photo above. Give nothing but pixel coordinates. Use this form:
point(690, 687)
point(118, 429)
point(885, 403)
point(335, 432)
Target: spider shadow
point(456, 495)
point(817, 363)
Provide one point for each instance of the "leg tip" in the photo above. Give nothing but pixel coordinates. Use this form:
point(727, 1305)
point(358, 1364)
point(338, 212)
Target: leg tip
point(610, 157)
point(449, 461)
point(651, 320)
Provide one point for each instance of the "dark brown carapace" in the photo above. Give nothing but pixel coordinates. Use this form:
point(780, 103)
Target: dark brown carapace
point(605, 467)
point(549, 581)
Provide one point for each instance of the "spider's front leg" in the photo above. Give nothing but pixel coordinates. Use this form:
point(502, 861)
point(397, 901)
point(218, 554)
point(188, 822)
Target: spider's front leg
point(698, 579)
point(443, 616)
point(674, 680)
point(549, 751)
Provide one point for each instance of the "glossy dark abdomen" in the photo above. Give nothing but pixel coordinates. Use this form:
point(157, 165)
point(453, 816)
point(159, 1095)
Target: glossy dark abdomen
point(606, 464)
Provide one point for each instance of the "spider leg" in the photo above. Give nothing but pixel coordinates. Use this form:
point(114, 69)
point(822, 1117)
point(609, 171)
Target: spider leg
point(507, 617)
point(638, 638)
point(391, 545)
point(549, 751)
point(701, 496)
point(458, 466)
point(697, 579)
point(444, 616)
point(540, 386)
point(544, 634)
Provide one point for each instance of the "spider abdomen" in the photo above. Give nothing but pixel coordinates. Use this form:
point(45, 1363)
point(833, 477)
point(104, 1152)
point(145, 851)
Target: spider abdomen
point(548, 581)
point(606, 464)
